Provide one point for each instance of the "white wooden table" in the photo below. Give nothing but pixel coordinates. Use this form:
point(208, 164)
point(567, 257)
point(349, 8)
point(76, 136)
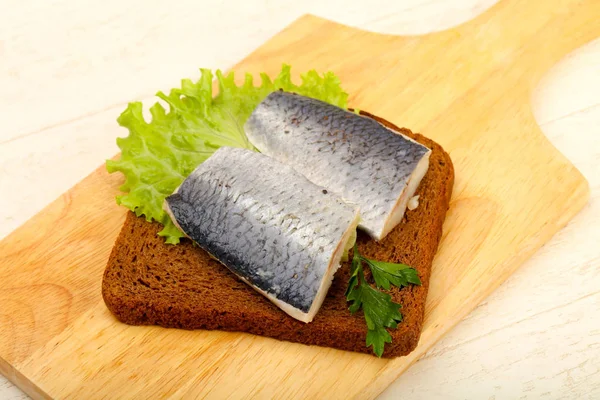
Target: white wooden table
point(68, 67)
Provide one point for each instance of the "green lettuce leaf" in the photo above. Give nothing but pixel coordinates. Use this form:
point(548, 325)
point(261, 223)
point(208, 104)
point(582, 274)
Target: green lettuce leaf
point(158, 155)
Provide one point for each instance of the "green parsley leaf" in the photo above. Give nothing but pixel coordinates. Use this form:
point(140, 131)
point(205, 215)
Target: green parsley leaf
point(355, 269)
point(159, 154)
point(387, 274)
point(378, 308)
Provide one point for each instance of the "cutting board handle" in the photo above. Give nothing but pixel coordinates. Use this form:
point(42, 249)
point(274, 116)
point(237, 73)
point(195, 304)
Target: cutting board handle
point(534, 34)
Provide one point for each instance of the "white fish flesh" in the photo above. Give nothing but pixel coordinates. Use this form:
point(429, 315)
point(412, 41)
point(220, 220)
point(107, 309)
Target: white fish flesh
point(273, 228)
point(351, 155)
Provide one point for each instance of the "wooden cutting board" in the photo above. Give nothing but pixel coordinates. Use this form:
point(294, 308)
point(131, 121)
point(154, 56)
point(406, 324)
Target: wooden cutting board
point(467, 88)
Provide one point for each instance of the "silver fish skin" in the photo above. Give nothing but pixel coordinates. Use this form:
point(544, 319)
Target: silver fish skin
point(351, 155)
point(277, 231)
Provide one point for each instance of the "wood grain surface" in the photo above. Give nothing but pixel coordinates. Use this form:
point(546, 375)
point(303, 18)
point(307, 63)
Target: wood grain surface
point(49, 301)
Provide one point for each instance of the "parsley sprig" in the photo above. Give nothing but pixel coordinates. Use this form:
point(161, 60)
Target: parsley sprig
point(379, 309)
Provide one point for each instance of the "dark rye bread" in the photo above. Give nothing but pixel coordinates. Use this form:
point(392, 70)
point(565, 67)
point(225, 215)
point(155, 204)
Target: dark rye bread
point(148, 282)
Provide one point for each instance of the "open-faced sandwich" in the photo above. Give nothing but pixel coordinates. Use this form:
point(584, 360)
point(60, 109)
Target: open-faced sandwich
point(266, 187)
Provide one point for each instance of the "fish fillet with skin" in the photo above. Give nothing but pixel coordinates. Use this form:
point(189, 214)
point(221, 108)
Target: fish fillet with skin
point(277, 231)
point(354, 156)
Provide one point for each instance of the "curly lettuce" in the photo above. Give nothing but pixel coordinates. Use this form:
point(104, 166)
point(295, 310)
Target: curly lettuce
point(158, 155)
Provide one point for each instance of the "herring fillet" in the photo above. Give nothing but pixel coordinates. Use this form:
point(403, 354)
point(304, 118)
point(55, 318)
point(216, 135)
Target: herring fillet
point(354, 156)
point(277, 231)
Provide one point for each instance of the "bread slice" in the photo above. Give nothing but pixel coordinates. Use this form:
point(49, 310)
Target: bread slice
point(148, 282)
